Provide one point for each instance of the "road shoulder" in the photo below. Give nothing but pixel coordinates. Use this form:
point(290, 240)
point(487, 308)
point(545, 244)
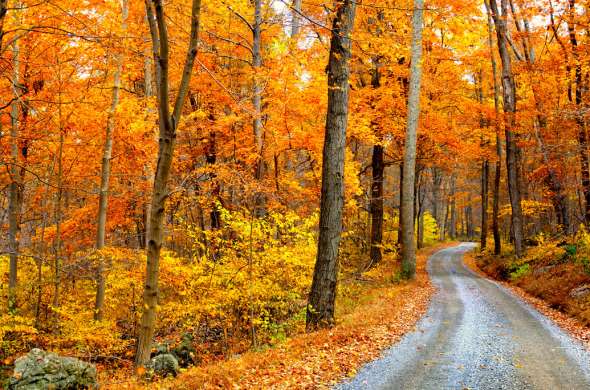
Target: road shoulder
point(568, 324)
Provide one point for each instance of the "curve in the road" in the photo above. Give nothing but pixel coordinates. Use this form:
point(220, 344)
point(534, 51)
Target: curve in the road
point(477, 335)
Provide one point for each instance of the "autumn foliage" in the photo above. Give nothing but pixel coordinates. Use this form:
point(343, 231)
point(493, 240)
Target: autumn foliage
point(240, 209)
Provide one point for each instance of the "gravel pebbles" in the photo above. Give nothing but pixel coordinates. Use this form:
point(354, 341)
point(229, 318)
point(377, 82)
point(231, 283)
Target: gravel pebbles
point(477, 335)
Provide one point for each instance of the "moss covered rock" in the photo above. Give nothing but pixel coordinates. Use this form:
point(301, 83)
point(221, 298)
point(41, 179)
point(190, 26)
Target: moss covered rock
point(45, 370)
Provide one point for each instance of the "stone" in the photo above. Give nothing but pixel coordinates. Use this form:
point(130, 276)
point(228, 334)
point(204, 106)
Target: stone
point(46, 370)
point(164, 364)
point(580, 291)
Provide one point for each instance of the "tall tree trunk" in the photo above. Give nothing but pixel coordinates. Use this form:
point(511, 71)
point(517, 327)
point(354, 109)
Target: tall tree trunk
point(168, 123)
point(295, 18)
point(469, 221)
point(498, 164)
point(106, 172)
point(148, 77)
point(485, 174)
point(407, 218)
point(3, 11)
point(320, 310)
point(257, 125)
point(453, 207)
point(582, 131)
point(496, 201)
point(256, 88)
point(16, 183)
point(42, 249)
point(464, 222)
point(57, 209)
point(378, 169)
point(446, 221)
point(401, 202)
point(420, 230)
point(485, 171)
point(376, 207)
point(57, 220)
point(437, 206)
point(420, 200)
point(512, 149)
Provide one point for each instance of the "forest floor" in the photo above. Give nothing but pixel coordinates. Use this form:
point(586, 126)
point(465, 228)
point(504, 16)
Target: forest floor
point(477, 334)
point(385, 310)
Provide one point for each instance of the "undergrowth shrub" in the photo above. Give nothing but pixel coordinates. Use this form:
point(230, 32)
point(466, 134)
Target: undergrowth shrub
point(430, 229)
point(244, 283)
point(520, 271)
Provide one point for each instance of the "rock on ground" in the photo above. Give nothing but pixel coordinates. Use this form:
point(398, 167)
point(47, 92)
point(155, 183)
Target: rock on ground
point(164, 365)
point(45, 370)
point(580, 291)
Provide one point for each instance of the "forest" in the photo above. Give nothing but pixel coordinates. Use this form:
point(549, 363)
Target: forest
point(193, 191)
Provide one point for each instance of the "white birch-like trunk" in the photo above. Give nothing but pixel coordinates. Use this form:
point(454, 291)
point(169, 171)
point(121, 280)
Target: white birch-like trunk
point(407, 212)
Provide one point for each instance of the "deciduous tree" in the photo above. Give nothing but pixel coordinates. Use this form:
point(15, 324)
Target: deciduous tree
point(322, 297)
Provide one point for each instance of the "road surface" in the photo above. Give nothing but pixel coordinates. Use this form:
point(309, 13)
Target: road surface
point(477, 335)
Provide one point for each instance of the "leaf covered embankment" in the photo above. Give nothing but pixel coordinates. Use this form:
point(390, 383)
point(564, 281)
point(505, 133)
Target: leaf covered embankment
point(553, 276)
point(379, 315)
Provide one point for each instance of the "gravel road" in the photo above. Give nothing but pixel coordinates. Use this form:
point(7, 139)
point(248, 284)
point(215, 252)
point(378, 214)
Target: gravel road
point(477, 335)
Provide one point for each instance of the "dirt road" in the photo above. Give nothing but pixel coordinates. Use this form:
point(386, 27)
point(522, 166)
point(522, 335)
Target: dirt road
point(477, 335)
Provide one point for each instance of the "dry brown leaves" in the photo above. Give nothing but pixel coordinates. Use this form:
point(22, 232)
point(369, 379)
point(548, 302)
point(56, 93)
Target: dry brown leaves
point(320, 359)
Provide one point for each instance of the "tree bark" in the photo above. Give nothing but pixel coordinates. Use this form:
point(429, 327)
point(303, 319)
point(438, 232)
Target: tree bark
point(148, 72)
point(295, 18)
point(420, 230)
point(437, 181)
point(446, 220)
point(320, 309)
point(401, 202)
point(420, 200)
point(57, 220)
point(485, 171)
point(582, 131)
point(42, 249)
point(260, 165)
point(512, 148)
point(3, 11)
point(407, 217)
point(256, 88)
point(106, 172)
point(498, 164)
point(376, 205)
point(463, 221)
point(485, 174)
point(453, 211)
point(16, 184)
point(469, 221)
point(168, 123)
